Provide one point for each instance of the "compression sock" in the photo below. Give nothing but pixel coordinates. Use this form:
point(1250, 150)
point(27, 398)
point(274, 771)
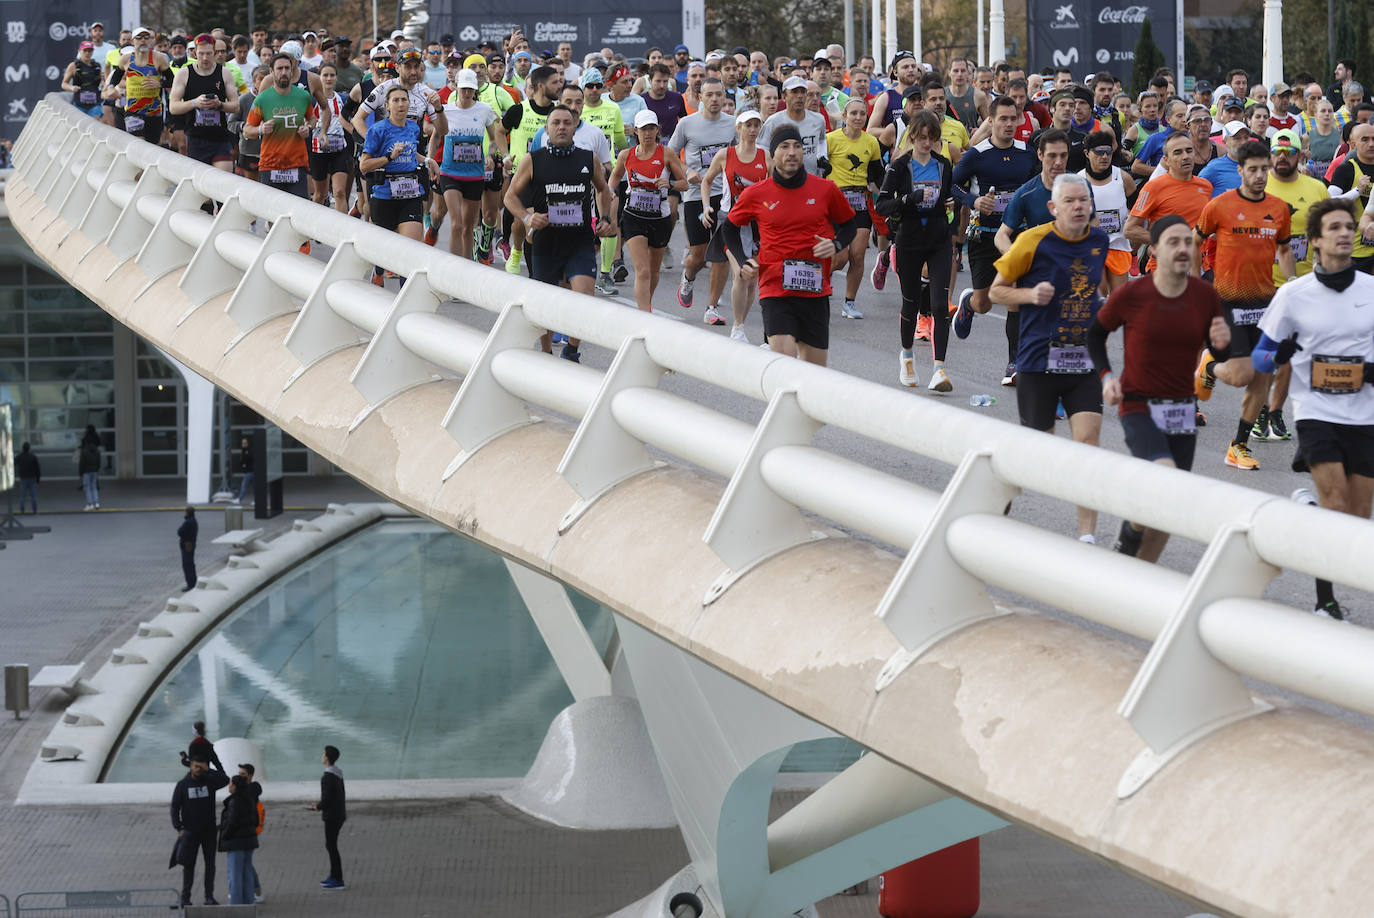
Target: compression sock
point(1326, 592)
point(1243, 432)
point(607, 253)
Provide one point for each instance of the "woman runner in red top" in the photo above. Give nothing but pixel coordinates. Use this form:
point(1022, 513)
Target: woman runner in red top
point(744, 166)
point(652, 171)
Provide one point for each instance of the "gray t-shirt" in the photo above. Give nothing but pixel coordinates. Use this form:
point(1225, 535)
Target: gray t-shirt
point(812, 129)
point(697, 140)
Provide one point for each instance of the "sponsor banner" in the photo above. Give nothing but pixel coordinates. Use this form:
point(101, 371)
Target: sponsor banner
point(588, 26)
point(1087, 37)
point(40, 40)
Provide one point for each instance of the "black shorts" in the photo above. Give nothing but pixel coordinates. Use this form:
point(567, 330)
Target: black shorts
point(657, 231)
point(210, 151)
point(248, 162)
point(1146, 441)
point(298, 187)
point(806, 318)
point(982, 258)
point(861, 218)
point(392, 212)
point(1365, 264)
point(1352, 445)
point(497, 180)
point(1244, 337)
point(563, 261)
point(151, 130)
point(470, 189)
point(323, 165)
point(1038, 393)
point(698, 233)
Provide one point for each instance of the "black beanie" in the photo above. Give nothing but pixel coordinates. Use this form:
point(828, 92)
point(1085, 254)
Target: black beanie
point(780, 134)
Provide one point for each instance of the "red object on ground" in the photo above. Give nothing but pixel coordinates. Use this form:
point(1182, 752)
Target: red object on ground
point(944, 884)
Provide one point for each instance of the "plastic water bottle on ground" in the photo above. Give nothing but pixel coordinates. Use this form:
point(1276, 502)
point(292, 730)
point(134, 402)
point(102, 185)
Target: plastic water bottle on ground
point(982, 401)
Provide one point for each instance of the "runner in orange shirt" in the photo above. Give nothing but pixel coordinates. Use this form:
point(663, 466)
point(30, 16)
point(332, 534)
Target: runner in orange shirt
point(1178, 192)
point(1251, 227)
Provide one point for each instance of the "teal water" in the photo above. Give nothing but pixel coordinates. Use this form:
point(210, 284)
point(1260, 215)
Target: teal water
point(405, 645)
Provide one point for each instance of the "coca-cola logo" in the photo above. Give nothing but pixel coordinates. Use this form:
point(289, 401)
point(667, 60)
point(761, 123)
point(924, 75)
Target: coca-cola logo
point(1129, 14)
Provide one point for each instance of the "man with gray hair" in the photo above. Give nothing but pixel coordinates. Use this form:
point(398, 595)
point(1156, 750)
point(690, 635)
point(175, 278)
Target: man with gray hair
point(1052, 272)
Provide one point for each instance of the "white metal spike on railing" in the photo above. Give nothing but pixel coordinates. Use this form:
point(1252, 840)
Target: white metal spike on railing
point(962, 536)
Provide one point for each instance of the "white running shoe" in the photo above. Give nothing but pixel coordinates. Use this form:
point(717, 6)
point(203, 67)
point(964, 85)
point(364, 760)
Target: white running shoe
point(939, 381)
point(906, 373)
point(712, 316)
point(850, 311)
point(737, 334)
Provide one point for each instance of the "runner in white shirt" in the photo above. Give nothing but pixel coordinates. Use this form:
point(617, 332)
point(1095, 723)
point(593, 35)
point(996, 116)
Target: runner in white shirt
point(1111, 187)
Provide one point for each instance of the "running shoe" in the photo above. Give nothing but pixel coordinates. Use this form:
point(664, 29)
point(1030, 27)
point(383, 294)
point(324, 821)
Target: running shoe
point(619, 272)
point(1304, 496)
point(354, 211)
point(684, 290)
point(305, 247)
point(512, 265)
point(1058, 409)
point(431, 235)
point(1088, 539)
point(939, 381)
point(1330, 609)
point(712, 316)
point(1260, 430)
point(1009, 376)
point(559, 338)
point(906, 373)
point(377, 280)
point(1204, 380)
point(924, 327)
point(504, 249)
point(737, 334)
point(880, 266)
point(963, 318)
point(1128, 540)
point(571, 353)
point(667, 259)
point(482, 254)
point(605, 286)
point(1277, 429)
point(1238, 456)
point(333, 885)
point(850, 311)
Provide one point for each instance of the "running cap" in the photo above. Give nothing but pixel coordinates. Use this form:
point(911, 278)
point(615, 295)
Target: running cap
point(1202, 86)
point(292, 48)
point(1157, 227)
point(781, 134)
point(645, 118)
point(591, 77)
point(97, 23)
point(342, 40)
point(309, 35)
point(178, 40)
point(84, 45)
point(1232, 128)
point(682, 48)
point(820, 55)
point(397, 34)
point(470, 59)
point(1280, 89)
point(750, 115)
point(1224, 90)
point(912, 92)
point(793, 82)
point(739, 49)
point(381, 52)
point(1233, 101)
point(1286, 141)
point(466, 79)
point(714, 56)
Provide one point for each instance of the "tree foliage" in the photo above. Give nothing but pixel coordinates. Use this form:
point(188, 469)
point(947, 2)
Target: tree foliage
point(1148, 58)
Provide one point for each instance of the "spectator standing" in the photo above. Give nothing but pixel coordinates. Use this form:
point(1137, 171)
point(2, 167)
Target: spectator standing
point(29, 472)
point(248, 771)
point(186, 541)
point(332, 810)
point(88, 464)
point(245, 467)
point(193, 816)
point(238, 836)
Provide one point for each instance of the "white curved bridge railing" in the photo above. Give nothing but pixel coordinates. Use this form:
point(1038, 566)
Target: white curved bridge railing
point(1209, 630)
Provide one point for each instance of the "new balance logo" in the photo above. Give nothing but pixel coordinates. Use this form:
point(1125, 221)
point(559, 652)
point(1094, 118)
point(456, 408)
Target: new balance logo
point(624, 27)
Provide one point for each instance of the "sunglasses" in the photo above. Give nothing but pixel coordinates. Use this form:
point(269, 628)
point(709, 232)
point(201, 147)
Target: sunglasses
point(1101, 151)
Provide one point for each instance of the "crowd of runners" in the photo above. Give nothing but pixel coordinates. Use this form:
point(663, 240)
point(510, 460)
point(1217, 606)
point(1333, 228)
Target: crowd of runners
point(1222, 229)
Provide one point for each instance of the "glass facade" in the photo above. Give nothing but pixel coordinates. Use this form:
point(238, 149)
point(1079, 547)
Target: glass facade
point(57, 367)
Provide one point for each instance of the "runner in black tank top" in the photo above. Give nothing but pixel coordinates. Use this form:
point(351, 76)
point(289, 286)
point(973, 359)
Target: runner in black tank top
point(202, 94)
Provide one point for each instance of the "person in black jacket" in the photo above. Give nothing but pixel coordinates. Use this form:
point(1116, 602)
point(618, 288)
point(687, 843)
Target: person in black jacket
point(186, 541)
point(201, 748)
point(193, 816)
point(331, 807)
point(916, 189)
point(29, 472)
point(88, 465)
point(245, 467)
point(238, 836)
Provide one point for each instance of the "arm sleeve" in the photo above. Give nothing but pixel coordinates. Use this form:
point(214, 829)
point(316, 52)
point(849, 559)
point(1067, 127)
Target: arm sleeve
point(876, 172)
point(511, 119)
point(733, 243)
point(1097, 347)
point(1262, 357)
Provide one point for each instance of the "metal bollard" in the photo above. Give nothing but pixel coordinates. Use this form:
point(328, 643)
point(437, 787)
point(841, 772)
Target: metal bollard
point(685, 905)
point(17, 688)
point(233, 518)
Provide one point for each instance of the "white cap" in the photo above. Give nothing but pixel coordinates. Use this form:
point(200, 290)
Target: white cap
point(292, 48)
point(142, 30)
point(645, 118)
point(793, 82)
point(466, 79)
point(398, 34)
point(820, 54)
point(309, 34)
point(1222, 92)
point(381, 50)
point(750, 115)
point(1232, 128)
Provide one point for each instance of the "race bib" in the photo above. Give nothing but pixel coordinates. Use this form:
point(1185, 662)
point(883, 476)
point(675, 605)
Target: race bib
point(284, 176)
point(565, 214)
point(207, 117)
point(1109, 221)
point(801, 276)
point(86, 97)
point(1000, 200)
point(856, 199)
point(1337, 375)
point(1298, 246)
point(334, 143)
point(467, 152)
point(1247, 316)
point(1069, 358)
point(932, 194)
point(405, 187)
point(1174, 416)
point(709, 153)
point(645, 202)
point(133, 124)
